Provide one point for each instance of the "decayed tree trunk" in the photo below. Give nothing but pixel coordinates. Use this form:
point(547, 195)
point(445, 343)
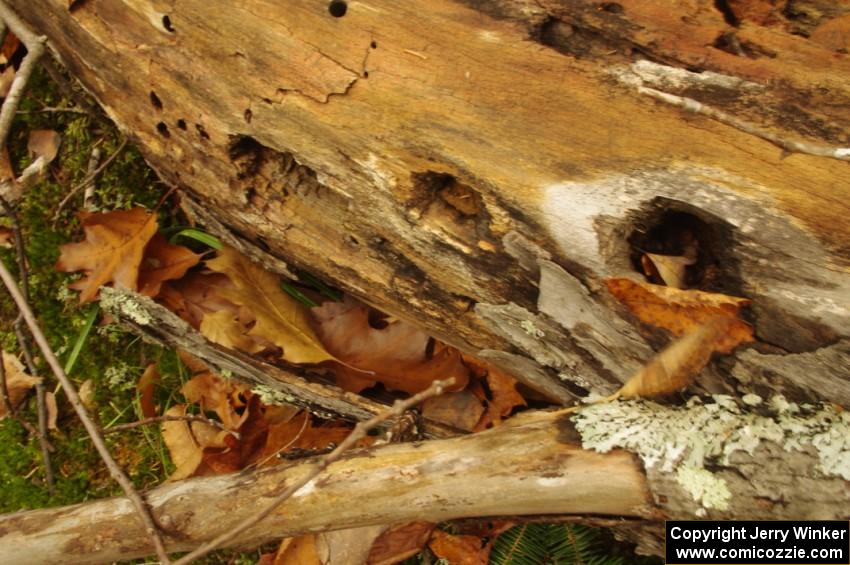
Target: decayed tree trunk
point(480, 168)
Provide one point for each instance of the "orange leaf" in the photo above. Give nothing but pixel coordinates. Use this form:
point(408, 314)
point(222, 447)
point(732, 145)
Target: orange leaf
point(187, 441)
point(195, 295)
point(399, 543)
point(222, 396)
point(145, 389)
point(223, 328)
point(299, 432)
point(162, 262)
point(680, 311)
point(459, 550)
point(396, 352)
point(18, 383)
point(112, 251)
point(297, 551)
point(241, 451)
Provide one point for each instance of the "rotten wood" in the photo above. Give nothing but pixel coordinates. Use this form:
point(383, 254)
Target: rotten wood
point(158, 324)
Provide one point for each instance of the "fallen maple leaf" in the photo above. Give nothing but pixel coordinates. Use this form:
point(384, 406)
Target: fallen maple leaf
point(300, 432)
point(163, 261)
point(680, 311)
point(195, 295)
point(112, 252)
point(396, 355)
point(279, 317)
point(18, 382)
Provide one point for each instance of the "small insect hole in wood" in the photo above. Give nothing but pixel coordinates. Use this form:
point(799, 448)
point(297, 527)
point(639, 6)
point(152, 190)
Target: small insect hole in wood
point(166, 23)
point(337, 8)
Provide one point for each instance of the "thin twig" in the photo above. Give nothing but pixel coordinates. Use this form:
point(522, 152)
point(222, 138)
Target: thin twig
point(88, 195)
point(35, 49)
point(41, 406)
point(790, 145)
point(92, 428)
point(52, 110)
point(89, 177)
point(158, 419)
point(359, 431)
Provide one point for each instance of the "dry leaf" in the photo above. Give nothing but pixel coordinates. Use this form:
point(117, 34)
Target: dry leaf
point(44, 143)
point(300, 432)
point(11, 43)
point(112, 252)
point(347, 547)
point(6, 171)
point(675, 367)
point(18, 383)
point(184, 449)
point(145, 388)
point(192, 363)
point(461, 409)
point(399, 543)
point(52, 410)
point(86, 394)
point(244, 450)
point(671, 269)
point(680, 311)
point(395, 354)
point(225, 397)
point(7, 237)
point(280, 318)
point(7, 77)
point(163, 261)
point(297, 551)
point(459, 550)
point(195, 295)
point(223, 328)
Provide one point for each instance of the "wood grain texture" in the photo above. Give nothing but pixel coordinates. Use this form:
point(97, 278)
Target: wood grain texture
point(403, 150)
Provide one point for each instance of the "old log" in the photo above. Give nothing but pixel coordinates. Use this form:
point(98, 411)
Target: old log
point(480, 168)
point(530, 466)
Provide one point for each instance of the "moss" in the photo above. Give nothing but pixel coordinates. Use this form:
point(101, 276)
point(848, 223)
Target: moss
point(126, 182)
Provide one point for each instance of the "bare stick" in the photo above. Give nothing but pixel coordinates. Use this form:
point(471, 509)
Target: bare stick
point(92, 429)
point(41, 407)
point(35, 49)
point(88, 195)
point(790, 145)
point(359, 431)
point(89, 177)
point(158, 419)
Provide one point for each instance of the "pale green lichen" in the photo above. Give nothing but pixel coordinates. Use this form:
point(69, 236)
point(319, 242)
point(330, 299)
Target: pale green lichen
point(532, 330)
point(124, 304)
point(690, 436)
point(706, 488)
point(271, 396)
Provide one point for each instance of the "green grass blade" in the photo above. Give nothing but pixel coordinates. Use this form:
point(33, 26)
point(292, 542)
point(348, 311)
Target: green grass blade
point(298, 295)
point(200, 236)
point(81, 339)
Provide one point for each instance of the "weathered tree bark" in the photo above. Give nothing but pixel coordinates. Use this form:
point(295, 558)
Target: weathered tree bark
point(480, 168)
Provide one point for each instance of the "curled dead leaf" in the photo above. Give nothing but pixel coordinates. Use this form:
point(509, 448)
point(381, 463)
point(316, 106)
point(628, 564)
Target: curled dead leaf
point(675, 367)
point(163, 261)
point(145, 388)
point(393, 352)
point(18, 382)
point(44, 143)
